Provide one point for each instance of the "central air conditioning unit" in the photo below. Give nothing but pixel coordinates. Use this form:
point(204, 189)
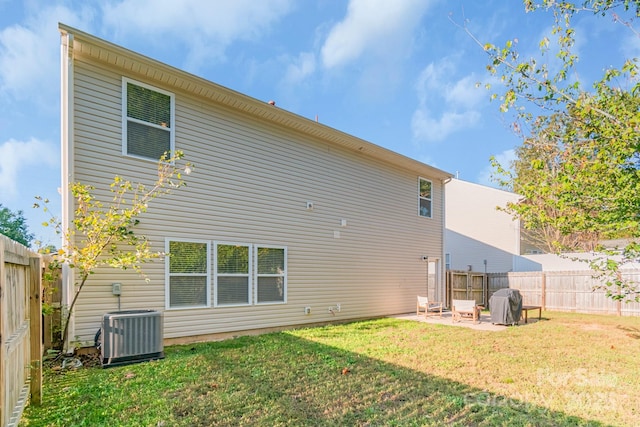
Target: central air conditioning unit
point(131, 336)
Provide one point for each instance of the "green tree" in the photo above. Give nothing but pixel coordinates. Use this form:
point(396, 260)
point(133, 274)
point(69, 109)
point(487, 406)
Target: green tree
point(578, 169)
point(14, 226)
point(48, 249)
point(104, 235)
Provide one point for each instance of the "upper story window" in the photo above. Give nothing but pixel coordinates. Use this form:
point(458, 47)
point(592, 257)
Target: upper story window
point(425, 197)
point(148, 120)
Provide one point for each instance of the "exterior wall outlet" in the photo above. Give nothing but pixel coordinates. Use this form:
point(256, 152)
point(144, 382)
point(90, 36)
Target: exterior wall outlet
point(116, 288)
point(307, 310)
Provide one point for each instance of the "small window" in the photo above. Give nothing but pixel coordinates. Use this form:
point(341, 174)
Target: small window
point(232, 274)
point(148, 116)
point(188, 274)
point(271, 275)
point(424, 199)
point(447, 261)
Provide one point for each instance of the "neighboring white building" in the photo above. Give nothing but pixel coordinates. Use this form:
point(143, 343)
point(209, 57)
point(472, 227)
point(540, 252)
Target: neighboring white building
point(478, 236)
point(576, 261)
point(310, 216)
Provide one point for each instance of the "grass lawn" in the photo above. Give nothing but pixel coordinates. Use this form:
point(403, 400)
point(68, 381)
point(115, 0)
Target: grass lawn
point(566, 370)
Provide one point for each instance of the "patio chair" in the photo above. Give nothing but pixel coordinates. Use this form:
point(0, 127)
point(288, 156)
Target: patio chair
point(426, 305)
point(465, 308)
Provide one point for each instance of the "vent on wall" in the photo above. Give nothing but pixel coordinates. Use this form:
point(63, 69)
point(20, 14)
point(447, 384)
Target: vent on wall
point(131, 336)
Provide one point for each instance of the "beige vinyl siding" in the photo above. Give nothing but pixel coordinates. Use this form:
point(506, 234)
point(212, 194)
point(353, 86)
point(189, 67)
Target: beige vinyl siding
point(250, 184)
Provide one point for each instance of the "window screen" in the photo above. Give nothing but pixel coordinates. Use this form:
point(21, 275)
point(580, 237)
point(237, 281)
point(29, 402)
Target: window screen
point(233, 264)
point(271, 275)
point(149, 127)
point(188, 274)
point(424, 198)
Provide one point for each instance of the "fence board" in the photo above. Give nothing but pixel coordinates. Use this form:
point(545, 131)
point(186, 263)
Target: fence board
point(466, 285)
point(573, 291)
point(19, 304)
point(35, 330)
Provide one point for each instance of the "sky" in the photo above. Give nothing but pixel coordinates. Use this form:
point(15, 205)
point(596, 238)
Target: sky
point(402, 74)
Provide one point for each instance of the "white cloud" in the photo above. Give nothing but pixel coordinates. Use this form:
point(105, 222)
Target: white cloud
point(630, 46)
point(427, 128)
point(26, 62)
point(380, 27)
point(464, 93)
point(29, 55)
point(431, 78)
point(205, 28)
point(456, 102)
point(301, 67)
point(504, 159)
point(17, 157)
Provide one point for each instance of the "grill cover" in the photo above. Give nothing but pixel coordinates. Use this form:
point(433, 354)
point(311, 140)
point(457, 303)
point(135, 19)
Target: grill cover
point(505, 306)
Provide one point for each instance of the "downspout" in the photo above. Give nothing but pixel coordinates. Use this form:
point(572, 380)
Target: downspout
point(66, 145)
point(443, 271)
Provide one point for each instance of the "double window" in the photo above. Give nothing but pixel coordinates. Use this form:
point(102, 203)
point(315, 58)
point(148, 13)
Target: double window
point(425, 197)
point(147, 120)
point(243, 274)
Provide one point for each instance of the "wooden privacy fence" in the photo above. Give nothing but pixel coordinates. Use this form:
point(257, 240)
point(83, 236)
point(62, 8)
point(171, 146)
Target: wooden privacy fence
point(466, 285)
point(573, 291)
point(20, 330)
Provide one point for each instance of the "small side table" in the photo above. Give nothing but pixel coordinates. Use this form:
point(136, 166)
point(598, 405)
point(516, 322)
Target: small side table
point(525, 311)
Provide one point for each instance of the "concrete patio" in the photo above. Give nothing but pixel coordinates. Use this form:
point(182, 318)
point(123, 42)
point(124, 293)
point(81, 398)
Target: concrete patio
point(484, 324)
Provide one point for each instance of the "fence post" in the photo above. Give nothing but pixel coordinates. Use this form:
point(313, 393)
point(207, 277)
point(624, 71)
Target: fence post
point(448, 288)
point(35, 325)
point(485, 289)
point(543, 290)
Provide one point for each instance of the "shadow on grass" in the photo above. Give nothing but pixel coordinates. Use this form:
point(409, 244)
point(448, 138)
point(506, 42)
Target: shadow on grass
point(275, 379)
point(631, 332)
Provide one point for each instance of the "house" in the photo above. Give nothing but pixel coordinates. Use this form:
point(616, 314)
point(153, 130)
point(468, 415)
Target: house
point(298, 223)
point(480, 237)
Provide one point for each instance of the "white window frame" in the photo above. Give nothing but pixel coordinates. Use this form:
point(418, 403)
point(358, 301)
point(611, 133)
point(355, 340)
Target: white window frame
point(249, 274)
point(167, 269)
point(430, 199)
point(126, 118)
point(256, 275)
